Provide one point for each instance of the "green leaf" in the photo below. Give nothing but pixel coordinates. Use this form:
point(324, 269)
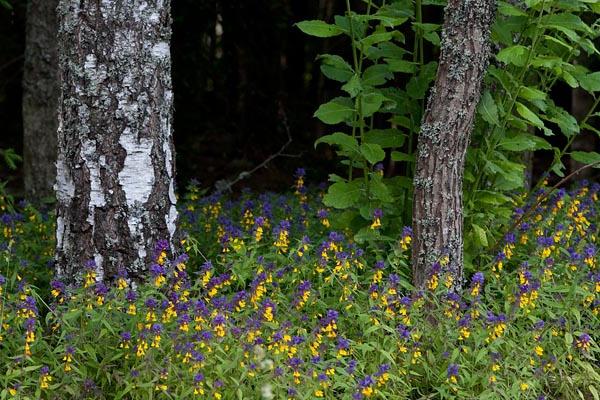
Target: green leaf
point(569, 79)
point(342, 194)
point(529, 115)
point(516, 55)
point(508, 9)
point(590, 82)
point(385, 137)
point(376, 75)
point(586, 157)
point(565, 20)
point(488, 109)
point(568, 338)
point(337, 110)
point(380, 191)
point(480, 235)
point(353, 87)
point(372, 152)
point(524, 142)
point(370, 103)
point(335, 67)
point(531, 94)
point(375, 38)
point(565, 121)
point(319, 28)
point(403, 66)
point(344, 141)
point(399, 156)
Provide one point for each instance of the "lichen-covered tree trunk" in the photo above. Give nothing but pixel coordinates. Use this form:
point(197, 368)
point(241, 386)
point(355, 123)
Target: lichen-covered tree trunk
point(115, 168)
point(444, 138)
point(40, 99)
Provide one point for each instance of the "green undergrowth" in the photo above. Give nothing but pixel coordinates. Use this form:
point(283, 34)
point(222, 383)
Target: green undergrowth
point(272, 300)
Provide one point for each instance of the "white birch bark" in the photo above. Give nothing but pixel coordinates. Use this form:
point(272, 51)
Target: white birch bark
point(115, 168)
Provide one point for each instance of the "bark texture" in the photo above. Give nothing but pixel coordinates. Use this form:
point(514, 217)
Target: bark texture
point(40, 99)
point(444, 138)
point(115, 168)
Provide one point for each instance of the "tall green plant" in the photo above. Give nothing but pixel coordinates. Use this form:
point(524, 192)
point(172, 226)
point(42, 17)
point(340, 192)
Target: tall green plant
point(376, 120)
point(540, 42)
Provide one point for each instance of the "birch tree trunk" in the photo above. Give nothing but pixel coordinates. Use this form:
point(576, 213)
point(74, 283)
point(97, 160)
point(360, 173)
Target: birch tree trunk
point(115, 168)
point(40, 99)
point(444, 138)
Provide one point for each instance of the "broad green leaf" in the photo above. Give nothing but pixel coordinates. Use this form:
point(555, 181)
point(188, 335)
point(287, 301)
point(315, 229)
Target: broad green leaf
point(480, 235)
point(523, 142)
point(399, 156)
point(372, 152)
point(569, 79)
point(387, 20)
point(568, 338)
point(376, 75)
point(374, 39)
point(370, 103)
point(337, 110)
point(529, 115)
point(385, 137)
point(335, 67)
point(380, 191)
point(353, 87)
point(344, 141)
point(505, 8)
point(342, 194)
point(359, 26)
point(516, 55)
point(591, 82)
point(396, 65)
point(488, 109)
point(531, 94)
point(565, 20)
point(565, 121)
point(319, 28)
point(585, 157)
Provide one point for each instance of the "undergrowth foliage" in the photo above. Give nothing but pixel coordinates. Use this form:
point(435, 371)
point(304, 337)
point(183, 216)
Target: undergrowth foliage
point(270, 303)
point(538, 44)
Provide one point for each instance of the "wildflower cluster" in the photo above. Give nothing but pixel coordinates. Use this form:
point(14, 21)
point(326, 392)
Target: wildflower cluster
point(283, 307)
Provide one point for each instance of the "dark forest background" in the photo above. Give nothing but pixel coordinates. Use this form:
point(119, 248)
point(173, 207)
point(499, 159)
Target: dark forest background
point(243, 78)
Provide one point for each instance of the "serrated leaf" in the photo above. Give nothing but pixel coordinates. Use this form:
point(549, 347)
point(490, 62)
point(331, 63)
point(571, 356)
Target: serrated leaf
point(586, 157)
point(488, 109)
point(399, 156)
point(531, 94)
point(480, 235)
point(353, 87)
point(376, 75)
point(370, 103)
point(529, 115)
point(380, 191)
point(385, 137)
point(374, 39)
point(344, 141)
point(590, 82)
point(337, 110)
point(403, 66)
point(516, 55)
point(319, 28)
point(342, 194)
point(505, 8)
point(524, 142)
point(373, 153)
point(335, 67)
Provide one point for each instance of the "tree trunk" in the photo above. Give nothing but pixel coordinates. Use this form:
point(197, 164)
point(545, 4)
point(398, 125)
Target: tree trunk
point(444, 138)
point(115, 169)
point(40, 99)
